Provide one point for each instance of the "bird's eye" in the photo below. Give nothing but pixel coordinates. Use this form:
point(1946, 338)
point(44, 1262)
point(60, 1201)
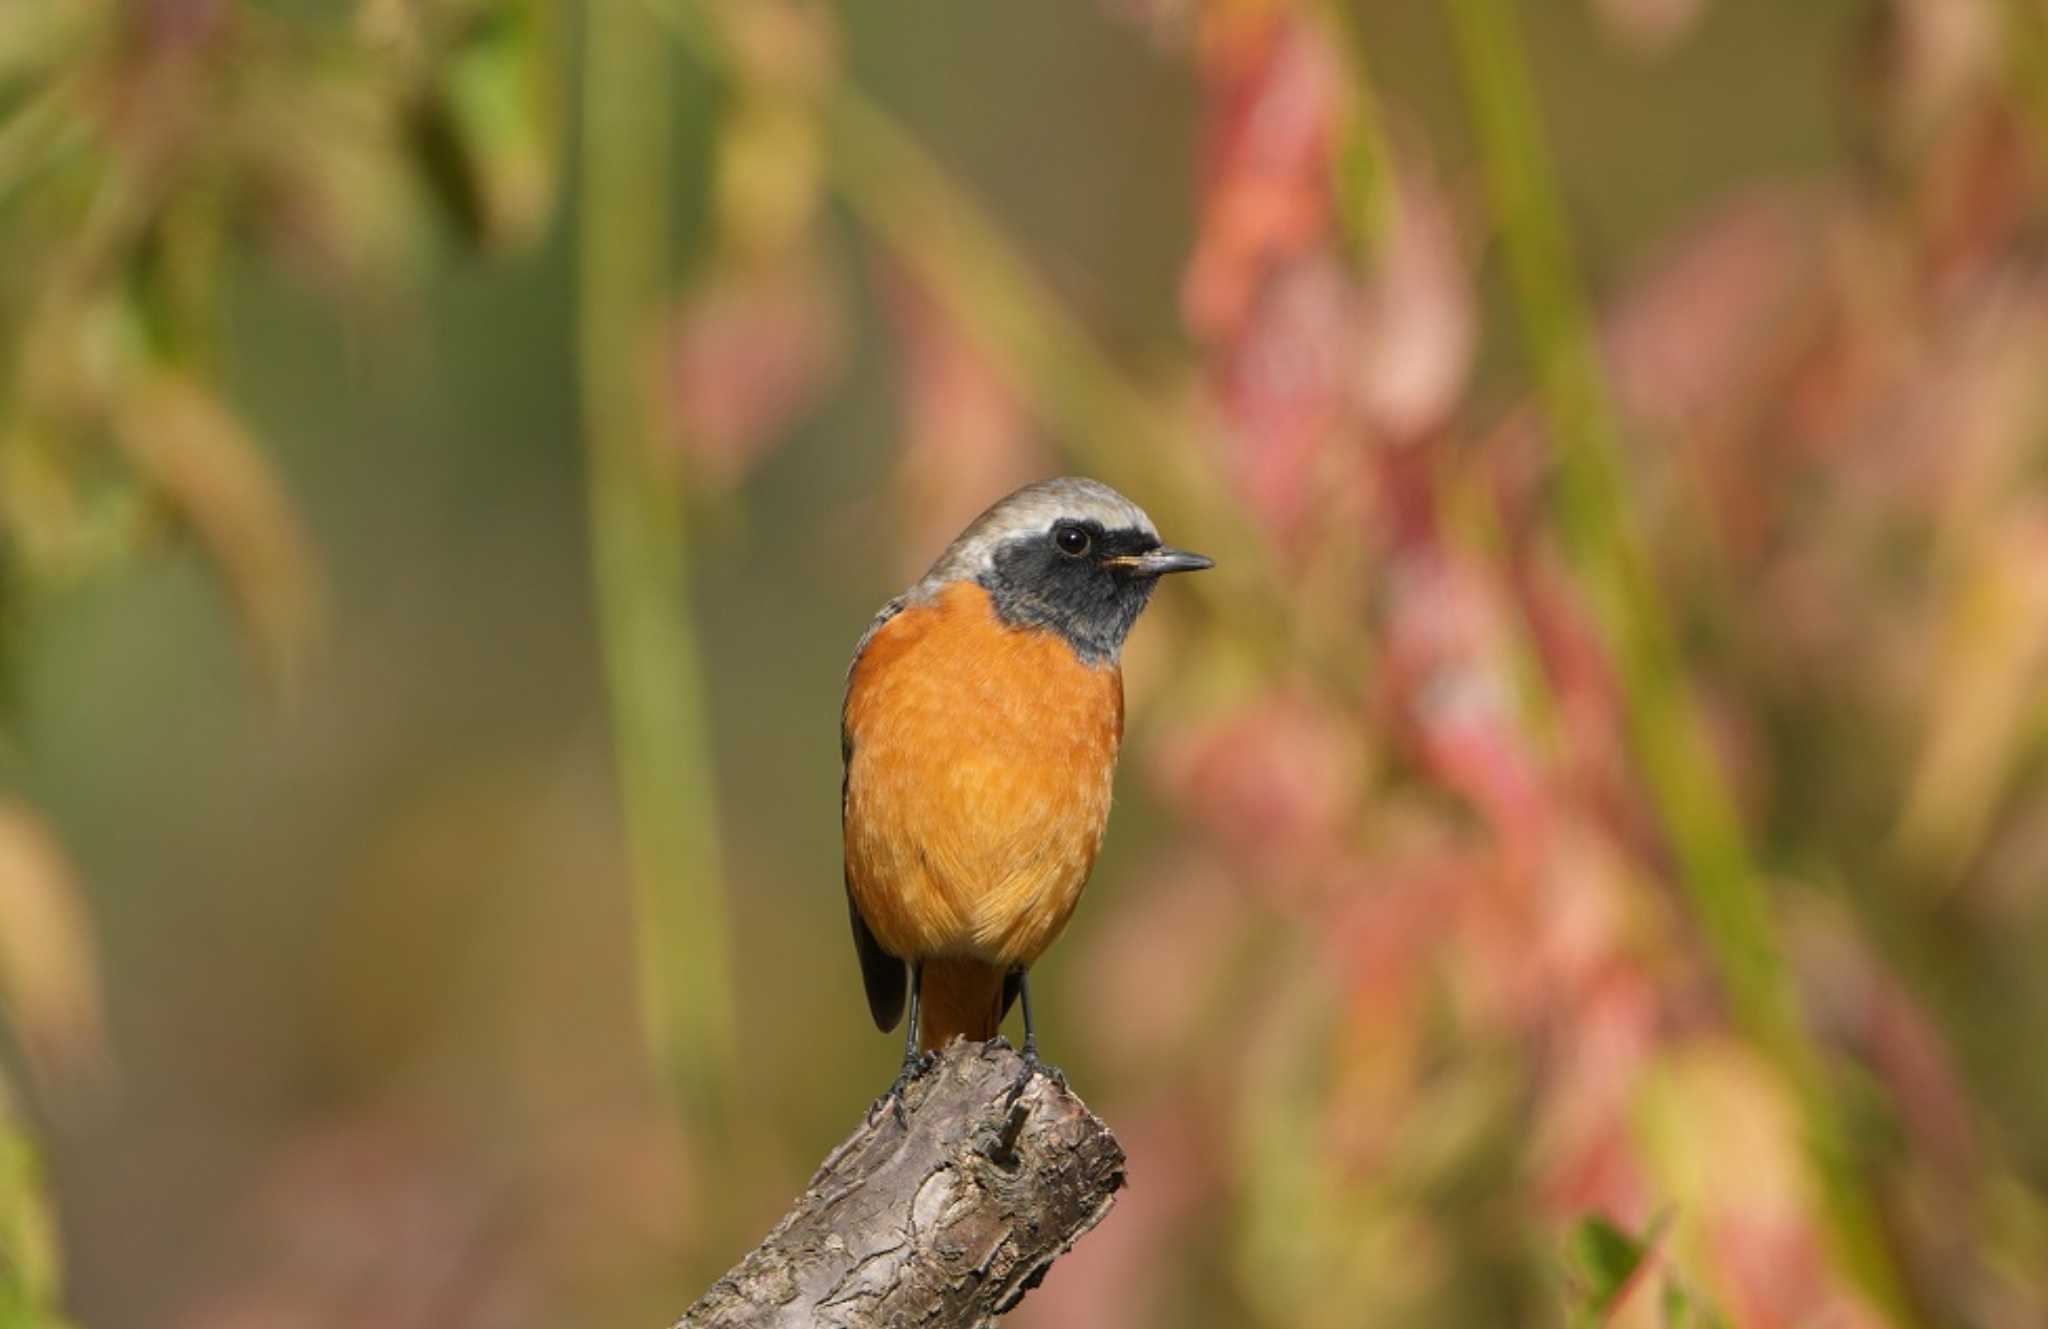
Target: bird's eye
point(1072, 540)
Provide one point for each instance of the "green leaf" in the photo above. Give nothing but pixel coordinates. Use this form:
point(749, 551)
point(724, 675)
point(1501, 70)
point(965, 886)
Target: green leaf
point(487, 136)
point(28, 1243)
point(1605, 1257)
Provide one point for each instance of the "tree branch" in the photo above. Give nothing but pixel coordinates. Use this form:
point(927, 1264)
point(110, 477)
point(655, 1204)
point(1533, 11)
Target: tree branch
point(946, 1214)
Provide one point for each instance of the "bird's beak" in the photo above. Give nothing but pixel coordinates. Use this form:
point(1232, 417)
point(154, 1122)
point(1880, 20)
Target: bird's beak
point(1160, 561)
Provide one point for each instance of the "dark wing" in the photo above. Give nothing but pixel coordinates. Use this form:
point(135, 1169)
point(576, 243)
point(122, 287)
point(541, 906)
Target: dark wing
point(1012, 982)
point(880, 972)
point(885, 977)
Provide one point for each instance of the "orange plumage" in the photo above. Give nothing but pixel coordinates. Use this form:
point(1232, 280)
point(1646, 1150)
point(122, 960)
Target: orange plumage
point(980, 759)
point(983, 714)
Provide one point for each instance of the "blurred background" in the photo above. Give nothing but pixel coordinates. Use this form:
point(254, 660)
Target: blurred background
point(1582, 858)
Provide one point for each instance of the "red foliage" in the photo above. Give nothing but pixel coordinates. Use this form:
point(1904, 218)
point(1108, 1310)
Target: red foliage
point(751, 350)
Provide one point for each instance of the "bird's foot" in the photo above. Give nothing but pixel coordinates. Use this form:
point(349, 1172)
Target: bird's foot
point(1029, 1071)
point(914, 1065)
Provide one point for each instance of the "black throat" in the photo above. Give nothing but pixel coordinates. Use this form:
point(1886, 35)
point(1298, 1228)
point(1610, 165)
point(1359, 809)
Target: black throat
point(1087, 602)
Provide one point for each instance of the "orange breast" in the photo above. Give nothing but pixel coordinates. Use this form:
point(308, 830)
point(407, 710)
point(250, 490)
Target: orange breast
point(978, 784)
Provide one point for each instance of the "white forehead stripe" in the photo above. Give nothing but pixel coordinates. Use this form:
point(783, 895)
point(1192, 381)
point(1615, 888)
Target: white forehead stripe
point(1032, 510)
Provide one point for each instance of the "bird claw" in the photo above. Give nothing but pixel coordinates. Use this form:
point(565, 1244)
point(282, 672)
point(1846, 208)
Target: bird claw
point(913, 1066)
point(1031, 1070)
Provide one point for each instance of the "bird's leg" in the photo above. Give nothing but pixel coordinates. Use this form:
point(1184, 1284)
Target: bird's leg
point(914, 1062)
point(910, 1025)
point(1030, 1029)
point(1031, 1035)
point(1032, 1065)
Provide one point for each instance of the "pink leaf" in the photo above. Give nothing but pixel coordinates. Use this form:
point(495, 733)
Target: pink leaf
point(750, 350)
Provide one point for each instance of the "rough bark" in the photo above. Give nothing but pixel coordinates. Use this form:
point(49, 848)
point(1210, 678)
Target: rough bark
point(945, 1214)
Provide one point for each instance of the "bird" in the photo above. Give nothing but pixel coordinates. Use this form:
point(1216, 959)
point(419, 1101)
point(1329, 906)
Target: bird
point(983, 713)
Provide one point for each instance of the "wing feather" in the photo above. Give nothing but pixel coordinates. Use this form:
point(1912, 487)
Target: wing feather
point(885, 977)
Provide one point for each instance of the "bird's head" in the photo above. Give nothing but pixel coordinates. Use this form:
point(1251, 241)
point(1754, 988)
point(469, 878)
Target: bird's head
point(1069, 555)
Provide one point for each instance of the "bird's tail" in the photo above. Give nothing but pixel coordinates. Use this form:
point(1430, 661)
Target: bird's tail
point(962, 997)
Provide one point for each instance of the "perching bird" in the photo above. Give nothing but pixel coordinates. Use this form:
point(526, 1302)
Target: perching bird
point(984, 708)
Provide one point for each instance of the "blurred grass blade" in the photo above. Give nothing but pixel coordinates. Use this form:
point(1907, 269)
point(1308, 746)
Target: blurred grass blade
point(1685, 783)
point(191, 449)
point(30, 1264)
point(49, 980)
point(937, 231)
point(639, 556)
point(1986, 679)
point(1593, 517)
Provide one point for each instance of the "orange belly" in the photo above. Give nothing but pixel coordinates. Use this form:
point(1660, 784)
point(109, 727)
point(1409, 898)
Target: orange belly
point(978, 784)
